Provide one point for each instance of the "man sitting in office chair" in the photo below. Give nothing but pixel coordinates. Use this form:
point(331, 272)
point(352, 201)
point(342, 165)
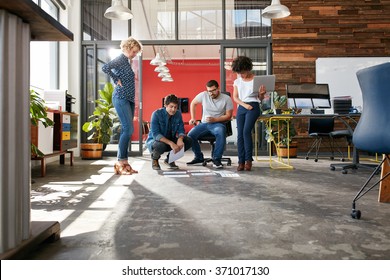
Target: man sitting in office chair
point(217, 109)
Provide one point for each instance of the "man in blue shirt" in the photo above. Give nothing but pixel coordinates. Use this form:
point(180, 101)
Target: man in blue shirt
point(167, 132)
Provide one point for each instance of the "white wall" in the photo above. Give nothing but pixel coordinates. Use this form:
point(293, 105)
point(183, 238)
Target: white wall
point(340, 74)
point(74, 58)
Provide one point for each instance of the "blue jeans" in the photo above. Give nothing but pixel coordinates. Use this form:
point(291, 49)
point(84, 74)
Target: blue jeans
point(125, 111)
point(246, 120)
point(202, 129)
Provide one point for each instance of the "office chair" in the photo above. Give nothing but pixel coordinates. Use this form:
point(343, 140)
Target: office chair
point(372, 131)
point(211, 139)
point(355, 164)
point(320, 129)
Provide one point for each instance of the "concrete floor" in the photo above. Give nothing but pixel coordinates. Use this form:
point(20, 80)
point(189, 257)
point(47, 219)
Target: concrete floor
point(203, 213)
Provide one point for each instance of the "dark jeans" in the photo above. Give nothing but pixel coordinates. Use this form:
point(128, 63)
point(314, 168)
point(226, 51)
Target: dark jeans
point(158, 147)
point(246, 120)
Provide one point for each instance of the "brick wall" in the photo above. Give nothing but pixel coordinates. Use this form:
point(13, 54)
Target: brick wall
point(354, 28)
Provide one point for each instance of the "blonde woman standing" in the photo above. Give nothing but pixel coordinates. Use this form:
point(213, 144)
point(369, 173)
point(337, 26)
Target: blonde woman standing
point(121, 72)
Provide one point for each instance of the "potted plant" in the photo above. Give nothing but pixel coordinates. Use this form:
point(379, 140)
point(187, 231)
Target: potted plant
point(38, 114)
point(281, 132)
point(100, 124)
point(279, 101)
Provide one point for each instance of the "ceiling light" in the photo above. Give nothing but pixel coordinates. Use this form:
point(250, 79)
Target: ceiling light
point(167, 79)
point(156, 60)
point(118, 11)
point(276, 10)
point(163, 74)
point(161, 68)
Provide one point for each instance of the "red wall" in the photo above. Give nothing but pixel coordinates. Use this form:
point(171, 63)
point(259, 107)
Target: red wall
point(189, 79)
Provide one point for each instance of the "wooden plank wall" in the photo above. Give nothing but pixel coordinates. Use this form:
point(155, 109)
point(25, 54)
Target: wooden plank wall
point(327, 28)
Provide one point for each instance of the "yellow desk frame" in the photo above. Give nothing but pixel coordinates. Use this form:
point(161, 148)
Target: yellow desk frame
point(279, 162)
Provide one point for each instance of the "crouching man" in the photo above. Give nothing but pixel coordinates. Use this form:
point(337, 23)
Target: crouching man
point(167, 132)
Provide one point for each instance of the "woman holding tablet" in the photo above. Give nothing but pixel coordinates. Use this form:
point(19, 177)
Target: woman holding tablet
point(248, 109)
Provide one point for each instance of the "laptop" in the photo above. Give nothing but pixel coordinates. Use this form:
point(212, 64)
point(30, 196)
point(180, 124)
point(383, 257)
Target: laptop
point(267, 80)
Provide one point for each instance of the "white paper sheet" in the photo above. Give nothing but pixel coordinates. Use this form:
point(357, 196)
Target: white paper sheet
point(174, 157)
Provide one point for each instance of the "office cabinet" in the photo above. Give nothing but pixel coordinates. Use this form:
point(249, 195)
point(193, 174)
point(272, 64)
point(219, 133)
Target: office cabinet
point(65, 131)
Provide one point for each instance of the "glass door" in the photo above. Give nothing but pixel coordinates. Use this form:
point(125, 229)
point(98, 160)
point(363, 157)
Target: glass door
point(95, 79)
point(261, 57)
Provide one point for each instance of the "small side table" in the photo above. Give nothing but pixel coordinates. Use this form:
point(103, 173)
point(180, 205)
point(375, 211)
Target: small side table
point(279, 162)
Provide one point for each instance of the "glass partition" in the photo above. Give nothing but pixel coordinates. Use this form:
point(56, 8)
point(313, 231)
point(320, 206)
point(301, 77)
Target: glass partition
point(155, 19)
point(244, 20)
point(200, 20)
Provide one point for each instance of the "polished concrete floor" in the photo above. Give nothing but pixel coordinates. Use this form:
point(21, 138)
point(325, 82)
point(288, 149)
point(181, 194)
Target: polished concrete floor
point(201, 213)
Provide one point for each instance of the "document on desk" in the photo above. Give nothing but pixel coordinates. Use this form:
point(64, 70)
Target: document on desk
point(175, 156)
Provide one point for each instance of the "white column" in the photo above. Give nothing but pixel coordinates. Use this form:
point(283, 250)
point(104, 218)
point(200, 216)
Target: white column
point(14, 131)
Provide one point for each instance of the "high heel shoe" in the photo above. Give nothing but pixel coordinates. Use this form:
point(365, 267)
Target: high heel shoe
point(248, 165)
point(129, 168)
point(120, 169)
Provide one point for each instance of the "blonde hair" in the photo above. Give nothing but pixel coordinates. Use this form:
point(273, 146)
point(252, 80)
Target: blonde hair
point(130, 43)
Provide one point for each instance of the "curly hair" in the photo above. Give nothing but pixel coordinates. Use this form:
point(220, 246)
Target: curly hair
point(130, 43)
point(241, 64)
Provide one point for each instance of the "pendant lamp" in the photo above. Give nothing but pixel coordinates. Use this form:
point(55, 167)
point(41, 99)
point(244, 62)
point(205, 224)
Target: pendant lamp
point(276, 10)
point(167, 79)
point(118, 11)
point(156, 60)
point(161, 68)
point(163, 74)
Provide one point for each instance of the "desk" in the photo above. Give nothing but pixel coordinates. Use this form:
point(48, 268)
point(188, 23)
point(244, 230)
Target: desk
point(384, 188)
point(285, 163)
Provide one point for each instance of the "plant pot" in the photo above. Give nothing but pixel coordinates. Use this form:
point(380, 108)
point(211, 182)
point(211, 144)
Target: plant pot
point(282, 151)
point(91, 151)
point(277, 111)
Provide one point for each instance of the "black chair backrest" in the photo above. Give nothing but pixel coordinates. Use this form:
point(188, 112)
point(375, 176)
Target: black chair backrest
point(321, 125)
point(229, 129)
point(372, 133)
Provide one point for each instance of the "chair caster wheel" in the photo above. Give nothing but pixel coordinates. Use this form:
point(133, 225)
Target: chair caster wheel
point(342, 160)
point(345, 171)
point(356, 214)
point(316, 160)
point(307, 158)
point(332, 168)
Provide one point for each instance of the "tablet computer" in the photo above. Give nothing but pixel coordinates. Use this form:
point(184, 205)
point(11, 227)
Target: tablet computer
point(267, 80)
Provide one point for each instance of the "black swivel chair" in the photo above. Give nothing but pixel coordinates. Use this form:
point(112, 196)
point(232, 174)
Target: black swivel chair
point(372, 131)
point(355, 164)
point(211, 139)
point(321, 129)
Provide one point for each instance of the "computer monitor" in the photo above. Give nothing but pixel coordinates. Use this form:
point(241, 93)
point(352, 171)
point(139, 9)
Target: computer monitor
point(308, 96)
